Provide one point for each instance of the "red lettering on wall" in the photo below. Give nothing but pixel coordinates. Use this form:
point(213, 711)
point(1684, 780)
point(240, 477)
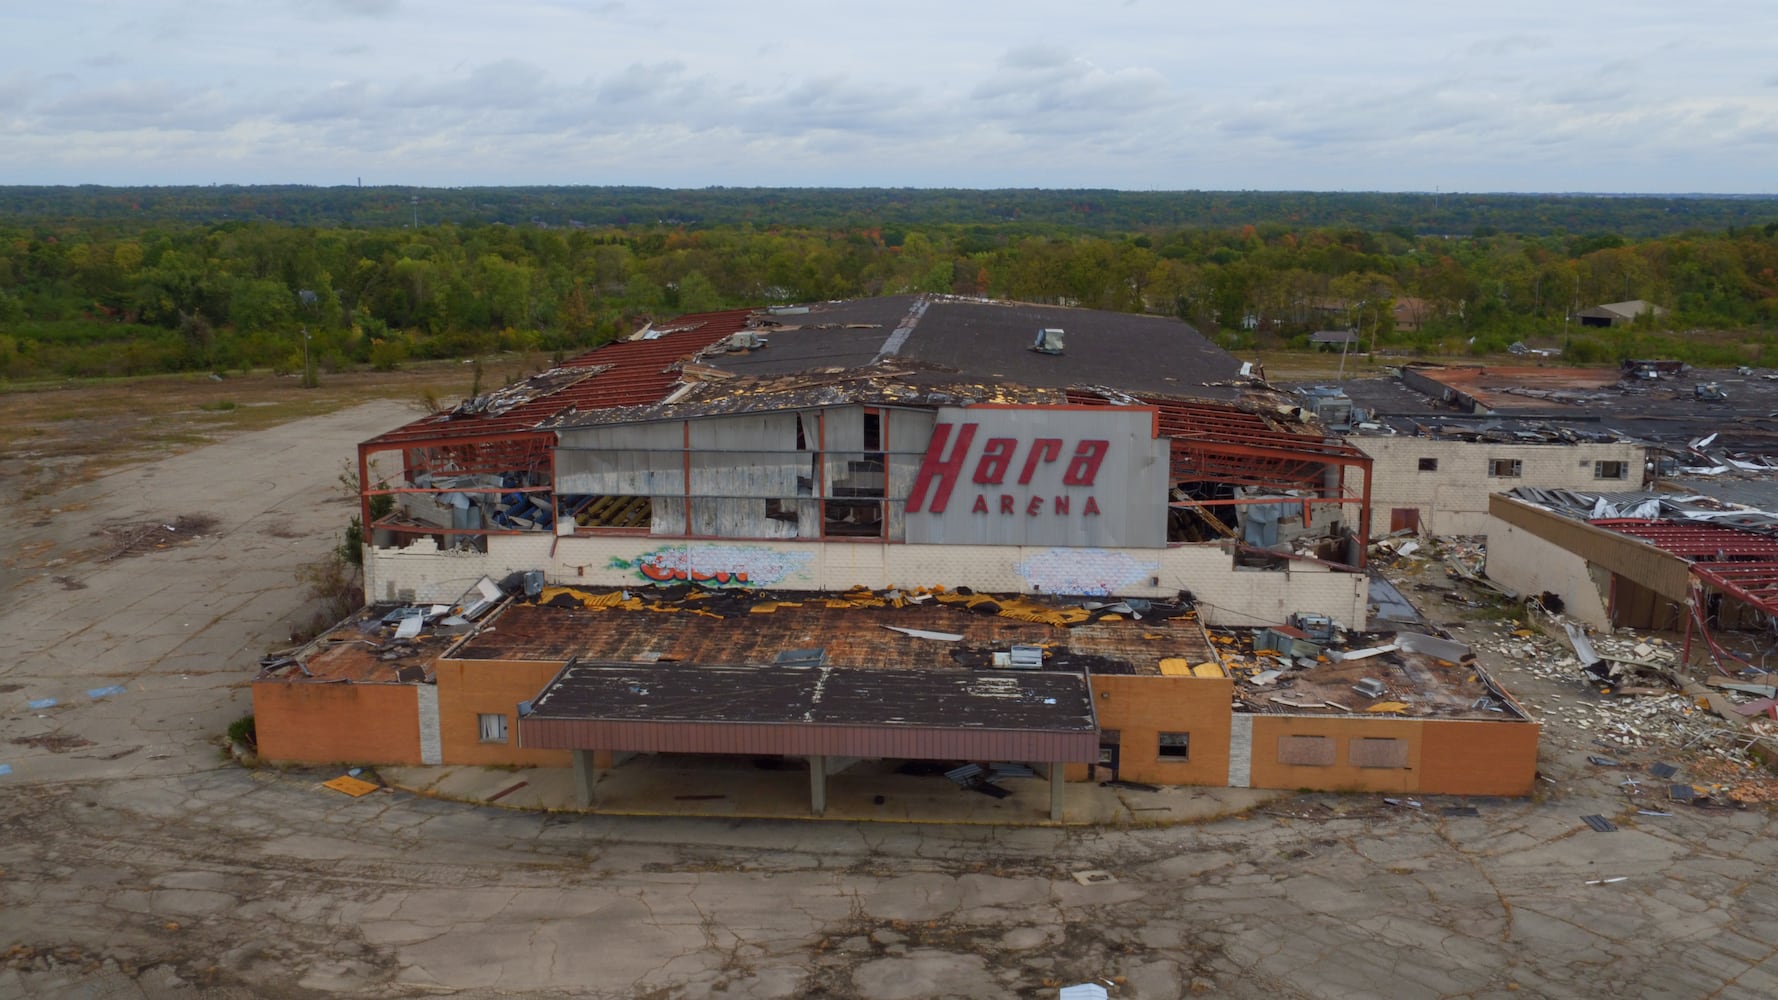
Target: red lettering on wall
point(996, 456)
point(1083, 468)
point(1042, 449)
point(981, 505)
point(1035, 507)
point(943, 469)
point(1005, 504)
point(1091, 508)
point(1061, 505)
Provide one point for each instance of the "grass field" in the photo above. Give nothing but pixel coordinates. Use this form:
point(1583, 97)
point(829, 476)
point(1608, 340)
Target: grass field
point(68, 431)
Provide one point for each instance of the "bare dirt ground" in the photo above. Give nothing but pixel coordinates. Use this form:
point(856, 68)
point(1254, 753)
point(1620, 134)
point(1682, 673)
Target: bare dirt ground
point(136, 861)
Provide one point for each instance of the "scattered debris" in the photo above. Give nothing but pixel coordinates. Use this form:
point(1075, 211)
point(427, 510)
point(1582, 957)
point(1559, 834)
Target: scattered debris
point(1094, 876)
point(345, 784)
point(1599, 823)
point(133, 538)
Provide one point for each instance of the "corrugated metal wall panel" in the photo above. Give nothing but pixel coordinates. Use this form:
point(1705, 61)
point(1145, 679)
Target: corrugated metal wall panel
point(752, 456)
point(897, 742)
point(628, 460)
point(907, 434)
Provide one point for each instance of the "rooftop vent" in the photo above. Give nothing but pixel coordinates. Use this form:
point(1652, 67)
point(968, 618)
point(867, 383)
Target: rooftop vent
point(1026, 658)
point(1370, 687)
point(1049, 341)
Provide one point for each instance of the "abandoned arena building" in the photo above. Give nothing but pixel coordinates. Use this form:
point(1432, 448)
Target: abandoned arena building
point(920, 530)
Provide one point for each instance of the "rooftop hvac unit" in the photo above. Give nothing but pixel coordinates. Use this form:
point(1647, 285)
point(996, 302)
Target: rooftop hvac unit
point(1026, 658)
point(1370, 687)
point(1049, 341)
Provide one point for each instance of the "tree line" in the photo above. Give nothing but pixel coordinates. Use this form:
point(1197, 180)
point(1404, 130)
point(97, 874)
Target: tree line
point(111, 296)
point(1099, 211)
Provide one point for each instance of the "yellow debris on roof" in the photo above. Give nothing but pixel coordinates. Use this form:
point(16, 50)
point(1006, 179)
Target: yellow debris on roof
point(1176, 666)
point(1208, 669)
point(1388, 706)
point(763, 608)
point(589, 600)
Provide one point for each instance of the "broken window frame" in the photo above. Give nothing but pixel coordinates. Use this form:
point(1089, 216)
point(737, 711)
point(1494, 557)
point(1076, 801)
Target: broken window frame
point(1506, 468)
point(1428, 464)
point(1604, 466)
point(1172, 747)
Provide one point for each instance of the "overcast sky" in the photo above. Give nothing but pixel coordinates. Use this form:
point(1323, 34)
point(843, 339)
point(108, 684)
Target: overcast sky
point(1500, 95)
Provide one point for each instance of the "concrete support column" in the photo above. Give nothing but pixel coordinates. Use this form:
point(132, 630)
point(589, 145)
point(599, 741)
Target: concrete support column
point(1058, 776)
point(818, 785)
point(586, 772)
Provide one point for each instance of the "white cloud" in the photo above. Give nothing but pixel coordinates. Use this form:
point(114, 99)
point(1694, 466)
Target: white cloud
point(1271, 93)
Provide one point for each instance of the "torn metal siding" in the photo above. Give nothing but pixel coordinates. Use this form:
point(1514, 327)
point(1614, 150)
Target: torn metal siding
point(906, 433)
point(737, 464)
point(633, 460)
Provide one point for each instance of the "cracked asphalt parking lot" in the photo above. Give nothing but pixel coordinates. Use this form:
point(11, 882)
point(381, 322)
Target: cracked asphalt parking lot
point(135, 861)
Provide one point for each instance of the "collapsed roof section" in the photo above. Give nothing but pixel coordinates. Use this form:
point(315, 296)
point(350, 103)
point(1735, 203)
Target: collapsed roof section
point(1729, 410)
point(489, 466)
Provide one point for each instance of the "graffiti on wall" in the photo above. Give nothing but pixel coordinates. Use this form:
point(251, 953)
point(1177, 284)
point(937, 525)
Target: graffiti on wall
point(1089, 572)
point(715, 565)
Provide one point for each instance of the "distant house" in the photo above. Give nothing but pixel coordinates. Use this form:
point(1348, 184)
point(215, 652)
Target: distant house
point(1619, 313)
point(1328, 340)
point(1411, 313)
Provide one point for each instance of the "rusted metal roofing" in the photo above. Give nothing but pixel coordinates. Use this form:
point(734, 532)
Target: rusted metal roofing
point(1743, 564)
point(625, 373)
point(1703, 543)
point(924, 714)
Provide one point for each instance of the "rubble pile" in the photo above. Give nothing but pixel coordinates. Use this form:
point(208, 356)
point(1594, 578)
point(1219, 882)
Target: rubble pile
point(1632, 698)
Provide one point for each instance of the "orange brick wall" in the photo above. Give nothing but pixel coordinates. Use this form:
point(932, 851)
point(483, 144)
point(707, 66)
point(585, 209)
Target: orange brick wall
point(1341, 776)
point(336, 723)
point(468, 688)
point(1444, 756)
point(1459, 757)
point(1141, 707)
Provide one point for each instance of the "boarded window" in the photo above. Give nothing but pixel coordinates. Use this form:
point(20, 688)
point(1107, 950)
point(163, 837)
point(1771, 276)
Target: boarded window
point(1611, 470)
point(1175, 746)
point(1505, 468)
point(1373, 752)
point(493, 727)
point(1429, 465)
point(1313, 751)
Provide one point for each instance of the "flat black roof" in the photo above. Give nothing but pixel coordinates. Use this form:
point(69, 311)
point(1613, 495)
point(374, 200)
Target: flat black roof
point(991, 341)
point(672, 692)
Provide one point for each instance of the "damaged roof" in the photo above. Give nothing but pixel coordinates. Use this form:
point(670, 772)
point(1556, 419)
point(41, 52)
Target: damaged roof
point(1739, 406)
point(1392, 674)
point(861, 629)
point(986, 341)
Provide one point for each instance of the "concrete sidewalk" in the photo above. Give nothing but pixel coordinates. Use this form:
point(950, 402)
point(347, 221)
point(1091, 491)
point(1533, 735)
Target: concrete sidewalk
point(740, 789)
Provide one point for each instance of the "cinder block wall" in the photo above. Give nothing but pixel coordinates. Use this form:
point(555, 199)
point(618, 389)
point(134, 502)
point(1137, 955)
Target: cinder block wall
point(1453, 500)
point(1529, 564)
point(1231, 596)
